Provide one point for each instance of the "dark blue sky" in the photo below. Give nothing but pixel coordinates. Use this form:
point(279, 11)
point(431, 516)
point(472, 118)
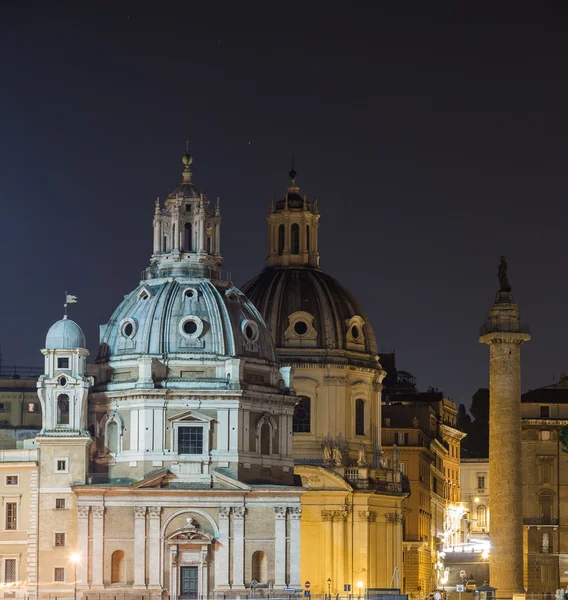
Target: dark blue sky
point(434, 134)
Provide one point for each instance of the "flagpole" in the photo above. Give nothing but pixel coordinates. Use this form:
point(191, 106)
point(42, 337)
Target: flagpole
point(65, 306)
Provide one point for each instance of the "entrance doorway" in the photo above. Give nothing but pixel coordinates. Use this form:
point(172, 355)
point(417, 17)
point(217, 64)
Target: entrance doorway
point(188, 583)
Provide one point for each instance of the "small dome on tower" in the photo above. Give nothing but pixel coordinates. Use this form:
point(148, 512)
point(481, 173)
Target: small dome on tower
point(65, 334)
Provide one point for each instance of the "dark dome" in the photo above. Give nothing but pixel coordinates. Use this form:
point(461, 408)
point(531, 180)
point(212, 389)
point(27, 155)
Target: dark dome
point(187, 190)
point(294, 201)
point(281, 292)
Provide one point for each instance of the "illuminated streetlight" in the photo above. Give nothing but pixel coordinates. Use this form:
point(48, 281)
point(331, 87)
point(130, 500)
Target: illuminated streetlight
point(476, 500)
point(75, 558)
point(359, 586)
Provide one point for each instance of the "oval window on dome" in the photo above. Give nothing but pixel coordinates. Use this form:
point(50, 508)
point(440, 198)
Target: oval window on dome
point(128, 329)
point(190, 293)
point(355, 332)
point(250, 330)
point(301, 327)
point(63, 382)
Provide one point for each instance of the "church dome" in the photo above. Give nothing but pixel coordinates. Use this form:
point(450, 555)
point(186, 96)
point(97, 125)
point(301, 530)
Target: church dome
point(185, 317)
point(185, 190)
point(65, 334)
point(305, 308)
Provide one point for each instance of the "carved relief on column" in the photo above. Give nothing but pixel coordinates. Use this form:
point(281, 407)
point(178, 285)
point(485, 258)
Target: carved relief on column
point(280, 512)
point(98, 512)
point(334, 380)
point(239, 512)
point(224, 512)
point(327, 515)
point(83, 512)
point(340, 515)
point(395, 518)
point(295, 512)
point(154, 512)
point(139, 512)
point(368, 515)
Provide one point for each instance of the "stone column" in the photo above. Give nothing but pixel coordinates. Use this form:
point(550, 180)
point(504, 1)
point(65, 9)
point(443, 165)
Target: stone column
point(280, 547)
point(98, 545)
point(238, 547)
point(504, 337)
point(222, 554)
point(339, 519)
point(139, 547)
point(155, 554)
point(83, 545)
point(327, 518)
point(295, 513)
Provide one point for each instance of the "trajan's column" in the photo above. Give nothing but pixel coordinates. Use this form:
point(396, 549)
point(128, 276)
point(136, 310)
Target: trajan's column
point(504, 336)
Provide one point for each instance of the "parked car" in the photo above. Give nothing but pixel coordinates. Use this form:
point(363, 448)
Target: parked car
point(470, 585)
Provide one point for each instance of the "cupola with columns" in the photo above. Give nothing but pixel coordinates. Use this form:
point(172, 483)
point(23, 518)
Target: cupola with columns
point(293, 229)
point(186, 232)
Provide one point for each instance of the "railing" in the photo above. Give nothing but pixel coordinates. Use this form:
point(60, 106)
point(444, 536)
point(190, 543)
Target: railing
point(510, 327)
point(181, 269)
point(19, 372)
point(540, 521)
point(18, 455)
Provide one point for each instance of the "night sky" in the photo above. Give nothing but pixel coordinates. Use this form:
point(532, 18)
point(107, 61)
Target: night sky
point(434, 134)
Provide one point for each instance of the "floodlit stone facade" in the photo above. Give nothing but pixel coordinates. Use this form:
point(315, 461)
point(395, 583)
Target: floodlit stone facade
point(504, 336)
point(352, 506)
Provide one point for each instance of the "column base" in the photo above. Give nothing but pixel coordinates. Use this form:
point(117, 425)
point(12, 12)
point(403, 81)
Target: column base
point(155, 586)
point(139, 587)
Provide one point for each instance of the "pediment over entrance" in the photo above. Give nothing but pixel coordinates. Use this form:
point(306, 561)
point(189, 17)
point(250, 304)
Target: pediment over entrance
point(319, 478)
point(190, 534)
point(191, 415)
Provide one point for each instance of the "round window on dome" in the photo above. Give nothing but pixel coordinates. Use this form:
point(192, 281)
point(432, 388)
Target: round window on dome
point(301, 327)
point(250, 330)
point(355, 332)
point(190, 293)
point(191, 327)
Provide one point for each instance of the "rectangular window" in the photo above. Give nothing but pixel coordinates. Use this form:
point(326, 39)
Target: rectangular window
point(190, 440)
point(60, 503)
point(359, 417)
point(401, 439)
point(62, 363)
point(3, 407)
point(11, 516)
point(59, 574)
point(481, 482)
point(403, 468)
point(33, 407)
point(545, 412)
point(301, 421)
point(61, 465)
point(12, 480)
point(545, 435)
point(60, 539)
point(10, 570)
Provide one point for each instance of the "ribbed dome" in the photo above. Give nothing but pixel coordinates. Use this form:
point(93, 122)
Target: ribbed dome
point(187, 190)
point(65, 334)
point(281, 292)
point(186, 316)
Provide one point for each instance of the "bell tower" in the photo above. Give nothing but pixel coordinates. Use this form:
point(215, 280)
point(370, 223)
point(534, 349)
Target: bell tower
point(64, 386)
point(293, 230)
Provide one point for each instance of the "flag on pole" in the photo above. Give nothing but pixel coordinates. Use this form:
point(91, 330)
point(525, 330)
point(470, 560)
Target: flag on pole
point(70, 299)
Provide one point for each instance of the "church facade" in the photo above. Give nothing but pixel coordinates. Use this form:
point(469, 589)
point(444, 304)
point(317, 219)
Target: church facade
point(216, 444)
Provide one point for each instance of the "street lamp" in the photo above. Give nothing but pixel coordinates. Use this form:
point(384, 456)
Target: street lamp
point(329, 587)
point(359, 586)
point(75, 558)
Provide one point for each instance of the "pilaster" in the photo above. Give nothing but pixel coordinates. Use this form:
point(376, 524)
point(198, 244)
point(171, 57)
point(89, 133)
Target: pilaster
point(238, 547)
point(83, 545)
point(155, 554)
point(98, 546)
point(280, 547)
point(222, 554)
point(295, 513)
point(139, 547)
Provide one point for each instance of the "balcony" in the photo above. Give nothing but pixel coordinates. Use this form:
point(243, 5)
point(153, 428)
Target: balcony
point(539, 521)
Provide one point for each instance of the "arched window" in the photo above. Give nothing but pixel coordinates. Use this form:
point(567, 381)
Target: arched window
point(63, 409)
point(545, 506)
point(112, 436)
point(295, 239)
point(359, 417)
point(174, 241)
point(187, 237)
point(118, 570)
point(281, 239)
point(165, 246)
point(265, 438)
point(301, 420)
point(481, 516)
point(308, 238)
point(208, 244)
point(259, 570)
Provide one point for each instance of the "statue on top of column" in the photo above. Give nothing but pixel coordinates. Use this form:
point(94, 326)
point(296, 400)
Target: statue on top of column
point(505, 286)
